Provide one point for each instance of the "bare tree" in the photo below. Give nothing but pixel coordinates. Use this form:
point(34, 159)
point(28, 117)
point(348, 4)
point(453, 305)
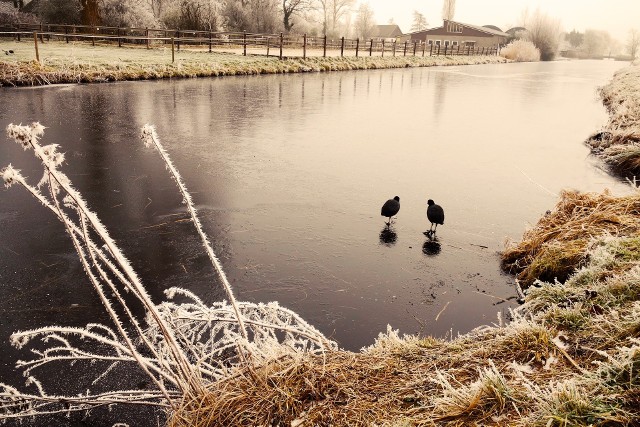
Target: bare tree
point(448, 9)
point(257, 16)
point(574, 38)
point(633, 43)
point(262, 15)
point(596, 43)
point(364, 21)
point(127, 13)
point(59, 11)
point(419, 22)
point(332, 12)
point(236, 16)
point(339, 8)
point(324, 7)
point(89, 13)
point(544, 32)
point(290, 8)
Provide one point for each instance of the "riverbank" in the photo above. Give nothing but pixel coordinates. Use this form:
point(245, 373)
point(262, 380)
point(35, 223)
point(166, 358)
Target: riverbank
point(82, 63)
point(618, 143)
point(570, 355)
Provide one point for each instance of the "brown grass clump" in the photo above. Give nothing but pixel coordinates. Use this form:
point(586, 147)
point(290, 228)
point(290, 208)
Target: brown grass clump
point(556, 246)
point(619, 142)
point(342, 389)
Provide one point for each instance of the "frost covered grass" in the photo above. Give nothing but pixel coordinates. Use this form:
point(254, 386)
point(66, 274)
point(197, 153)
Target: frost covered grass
point(521, 51)
point(619, 142)
point(83, 63)
point(570, 355)
point(539, 370)
point(557, 245)
point(181, 344)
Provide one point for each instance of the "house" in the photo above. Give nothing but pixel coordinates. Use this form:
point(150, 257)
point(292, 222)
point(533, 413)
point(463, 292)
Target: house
point(454, 35)
point(387, 33)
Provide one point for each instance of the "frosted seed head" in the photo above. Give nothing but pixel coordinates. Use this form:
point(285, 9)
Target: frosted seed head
point(37, 129)
point(51, 156)
point(20, 134)
point(147, 135)
point(9, 175)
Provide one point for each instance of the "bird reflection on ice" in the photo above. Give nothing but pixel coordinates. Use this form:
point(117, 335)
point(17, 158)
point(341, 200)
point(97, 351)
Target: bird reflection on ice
point(388, 237)
point(431, 246)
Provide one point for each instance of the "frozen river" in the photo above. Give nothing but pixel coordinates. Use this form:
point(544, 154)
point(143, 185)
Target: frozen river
point(289, 174)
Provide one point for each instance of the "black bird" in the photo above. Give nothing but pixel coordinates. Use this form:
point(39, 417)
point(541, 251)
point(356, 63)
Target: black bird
point(390, 208)
point(435, 214)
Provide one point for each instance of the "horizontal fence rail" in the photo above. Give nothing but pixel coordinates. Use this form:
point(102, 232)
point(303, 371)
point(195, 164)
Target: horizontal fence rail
point(236, 42)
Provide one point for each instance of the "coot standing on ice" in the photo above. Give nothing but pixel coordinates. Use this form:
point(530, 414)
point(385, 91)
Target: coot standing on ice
point(435, 215)
point(390, 208)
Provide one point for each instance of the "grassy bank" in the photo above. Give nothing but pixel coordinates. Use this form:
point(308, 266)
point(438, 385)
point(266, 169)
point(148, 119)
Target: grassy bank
point(619, 142)
point(569, 357)
point(82, 63)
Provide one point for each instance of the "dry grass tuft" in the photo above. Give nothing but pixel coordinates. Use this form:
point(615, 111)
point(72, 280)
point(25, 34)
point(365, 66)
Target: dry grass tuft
point(521, 51)
point(556, 246)
point(342, 389)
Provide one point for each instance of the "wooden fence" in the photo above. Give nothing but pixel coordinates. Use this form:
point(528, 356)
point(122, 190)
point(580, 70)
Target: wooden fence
point(279, 45)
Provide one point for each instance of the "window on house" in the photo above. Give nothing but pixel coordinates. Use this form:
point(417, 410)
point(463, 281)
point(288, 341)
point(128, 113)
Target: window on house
point(447, 42)
point(453, 27)
point(429, 42)
point(437, 42)
point(455, 43)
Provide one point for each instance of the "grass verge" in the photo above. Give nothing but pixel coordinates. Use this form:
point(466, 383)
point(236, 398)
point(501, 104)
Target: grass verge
point(82, 63)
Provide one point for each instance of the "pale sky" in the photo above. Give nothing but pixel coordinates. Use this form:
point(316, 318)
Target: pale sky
point(615, 16)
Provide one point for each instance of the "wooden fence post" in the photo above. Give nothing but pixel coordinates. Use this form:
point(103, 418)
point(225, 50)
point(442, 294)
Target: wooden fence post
point(119, 40)
point(268, 43)
point(210, 42)
point(244, 43)
point(357, 46)
point(146, 34)
point(324, 46)
point(405, 49)
point(424, 47)
point(35, 42)
point(281, 42)
point(383, 48)
point(371, 48)
point(66, 32)
point(394, 48)
point(431, 49)
point(342, 47)
point(414, 48)
point(173, 51)
point(304, 46)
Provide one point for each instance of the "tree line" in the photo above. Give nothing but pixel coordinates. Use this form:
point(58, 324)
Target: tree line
point(332, 18)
